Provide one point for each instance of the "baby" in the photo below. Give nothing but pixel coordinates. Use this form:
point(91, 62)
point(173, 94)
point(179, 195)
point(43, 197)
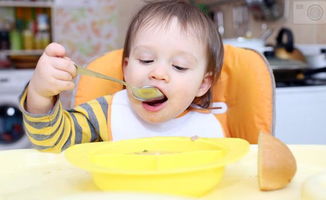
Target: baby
point(171, 45)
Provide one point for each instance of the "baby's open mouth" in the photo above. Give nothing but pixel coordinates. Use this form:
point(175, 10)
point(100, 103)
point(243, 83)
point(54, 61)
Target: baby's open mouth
point(156, 102)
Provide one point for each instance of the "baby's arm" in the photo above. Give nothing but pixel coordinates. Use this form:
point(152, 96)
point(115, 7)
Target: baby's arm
point(53, 74)
point(59, 129)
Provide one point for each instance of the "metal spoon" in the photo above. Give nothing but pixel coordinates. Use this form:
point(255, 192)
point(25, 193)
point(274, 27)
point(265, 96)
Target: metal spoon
point(146, 93)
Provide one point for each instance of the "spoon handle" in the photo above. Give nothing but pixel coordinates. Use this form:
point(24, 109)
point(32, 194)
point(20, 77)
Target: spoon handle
point(87, 72)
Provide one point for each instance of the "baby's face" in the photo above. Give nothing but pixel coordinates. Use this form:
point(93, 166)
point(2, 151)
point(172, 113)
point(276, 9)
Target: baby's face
point(173, 61)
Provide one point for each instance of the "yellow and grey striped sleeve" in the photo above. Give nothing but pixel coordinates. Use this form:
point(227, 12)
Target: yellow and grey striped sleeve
point(59, 129)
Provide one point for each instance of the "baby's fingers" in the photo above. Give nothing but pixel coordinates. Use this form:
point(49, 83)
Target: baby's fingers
point(62, 75)
point(66, 66)
point(55, 50)
point(62, 85)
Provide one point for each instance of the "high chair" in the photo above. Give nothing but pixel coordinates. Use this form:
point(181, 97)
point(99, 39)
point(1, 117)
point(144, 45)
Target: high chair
point(245, 90)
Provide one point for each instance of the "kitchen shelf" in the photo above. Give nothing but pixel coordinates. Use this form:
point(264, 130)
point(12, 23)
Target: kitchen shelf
point(43, 4)
point(26, 5)
point(21, 52)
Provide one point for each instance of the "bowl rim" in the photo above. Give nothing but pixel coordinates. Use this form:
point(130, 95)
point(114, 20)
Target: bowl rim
point(234, 148)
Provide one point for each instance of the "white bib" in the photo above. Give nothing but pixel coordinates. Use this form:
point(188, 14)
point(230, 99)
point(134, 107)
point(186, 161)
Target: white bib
point(125, 124)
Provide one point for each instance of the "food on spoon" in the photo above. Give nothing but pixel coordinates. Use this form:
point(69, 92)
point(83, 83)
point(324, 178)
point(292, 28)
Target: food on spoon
point(151, 92)
point(314, 188)
point(276, 163)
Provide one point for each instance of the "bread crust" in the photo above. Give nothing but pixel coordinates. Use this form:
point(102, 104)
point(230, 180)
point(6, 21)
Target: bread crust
point(276, 163)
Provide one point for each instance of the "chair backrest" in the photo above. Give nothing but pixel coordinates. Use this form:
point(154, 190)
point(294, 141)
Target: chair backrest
point(246, 86)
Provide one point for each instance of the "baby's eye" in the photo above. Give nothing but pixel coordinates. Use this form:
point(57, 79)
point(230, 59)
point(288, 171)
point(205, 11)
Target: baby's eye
point(145, 61)
point(179, 68)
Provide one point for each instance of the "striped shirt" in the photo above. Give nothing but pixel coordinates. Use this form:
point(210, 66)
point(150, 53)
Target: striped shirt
point(59, 129)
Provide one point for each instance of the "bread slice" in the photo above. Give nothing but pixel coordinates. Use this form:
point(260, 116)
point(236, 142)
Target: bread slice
point(276, 163)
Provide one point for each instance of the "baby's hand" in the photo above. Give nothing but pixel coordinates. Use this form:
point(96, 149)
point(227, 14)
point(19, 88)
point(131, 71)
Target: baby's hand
point(54, 72)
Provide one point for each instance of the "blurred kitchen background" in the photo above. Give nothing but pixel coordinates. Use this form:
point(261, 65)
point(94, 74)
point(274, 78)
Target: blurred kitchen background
point(290, 33)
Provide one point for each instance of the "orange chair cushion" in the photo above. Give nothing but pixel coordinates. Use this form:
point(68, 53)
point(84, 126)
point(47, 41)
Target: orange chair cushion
point(246, 85)
point(89, 88)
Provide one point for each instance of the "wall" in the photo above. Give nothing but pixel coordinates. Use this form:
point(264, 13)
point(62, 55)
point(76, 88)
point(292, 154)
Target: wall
point(304, 32)
point(126, 9)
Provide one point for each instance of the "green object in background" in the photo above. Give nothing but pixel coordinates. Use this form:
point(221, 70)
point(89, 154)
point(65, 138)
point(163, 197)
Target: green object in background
point(15, 40)
point(201, 6)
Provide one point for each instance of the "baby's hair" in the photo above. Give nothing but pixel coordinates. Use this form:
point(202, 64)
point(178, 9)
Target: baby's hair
point(192, 21)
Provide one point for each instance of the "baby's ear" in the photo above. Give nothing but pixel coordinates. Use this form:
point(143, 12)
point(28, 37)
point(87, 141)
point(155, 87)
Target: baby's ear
point(125, 62)
point(206, 84)
point(124, 65)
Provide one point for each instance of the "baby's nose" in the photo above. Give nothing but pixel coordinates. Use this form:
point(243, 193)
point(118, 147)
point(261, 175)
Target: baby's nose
point(159, 73)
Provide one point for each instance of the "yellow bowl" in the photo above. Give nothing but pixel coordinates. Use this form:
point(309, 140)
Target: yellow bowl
point(166, 165)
